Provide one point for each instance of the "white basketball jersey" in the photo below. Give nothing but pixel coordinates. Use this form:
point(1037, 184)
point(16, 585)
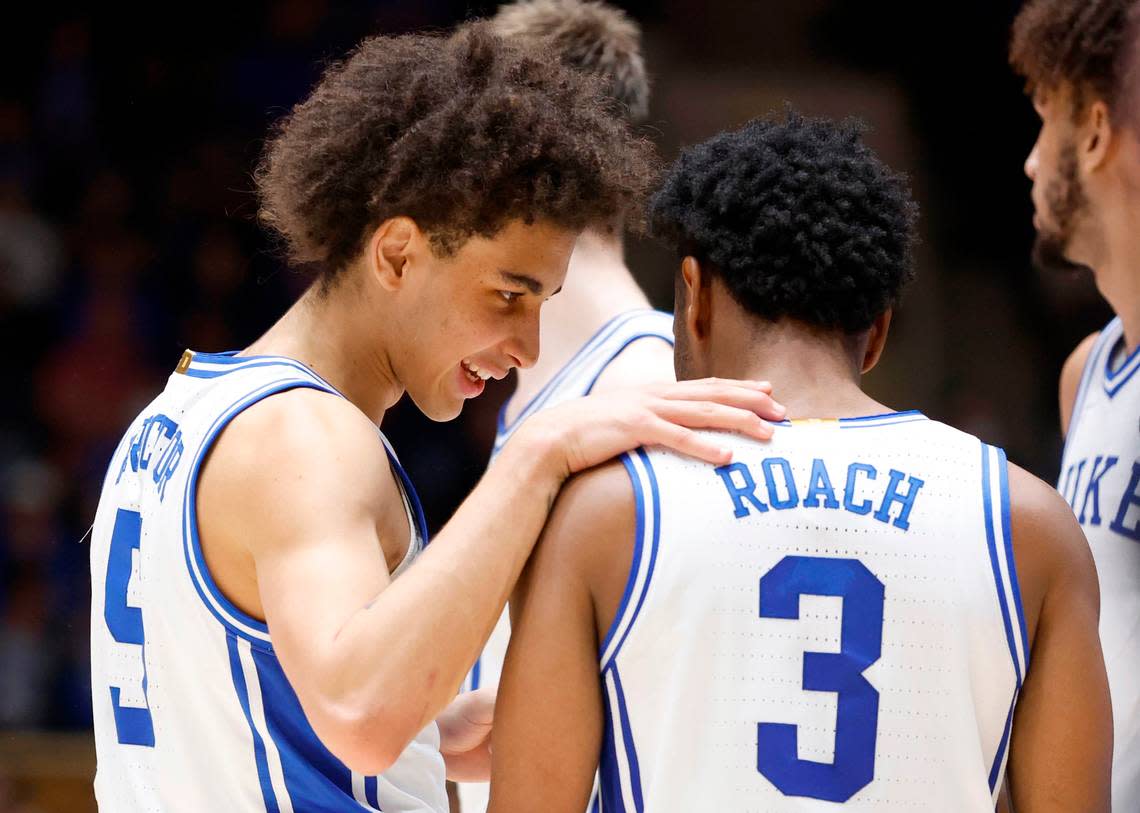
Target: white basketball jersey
point(830, 622)
point(1100, 478)
point(192, 709)
point(576, 379)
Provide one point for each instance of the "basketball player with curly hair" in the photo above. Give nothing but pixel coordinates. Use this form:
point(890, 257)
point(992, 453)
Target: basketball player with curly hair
point(260, 637)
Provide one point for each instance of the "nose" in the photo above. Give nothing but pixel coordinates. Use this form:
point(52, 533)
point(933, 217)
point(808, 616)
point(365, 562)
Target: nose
point(524, 344)
point(1031, 163)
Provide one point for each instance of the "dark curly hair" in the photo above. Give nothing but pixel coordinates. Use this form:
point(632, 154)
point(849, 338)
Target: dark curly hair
point(459, 133)
point(1089, 44)
point(796, 216)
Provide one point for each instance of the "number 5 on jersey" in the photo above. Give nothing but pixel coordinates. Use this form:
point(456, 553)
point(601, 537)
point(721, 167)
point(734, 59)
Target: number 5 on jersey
point(133, 723)
point(857, 702)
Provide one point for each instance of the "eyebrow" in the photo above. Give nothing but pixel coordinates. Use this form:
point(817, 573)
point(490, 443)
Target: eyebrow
point(530, 283)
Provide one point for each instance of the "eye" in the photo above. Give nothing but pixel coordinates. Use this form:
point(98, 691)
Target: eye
point(510, 296)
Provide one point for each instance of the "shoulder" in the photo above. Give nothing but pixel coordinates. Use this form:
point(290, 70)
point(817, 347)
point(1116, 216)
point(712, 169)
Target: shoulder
point(1050, 549)
point(1071, 374)
point(646, 360)
point(302, 453)
point(590, 532)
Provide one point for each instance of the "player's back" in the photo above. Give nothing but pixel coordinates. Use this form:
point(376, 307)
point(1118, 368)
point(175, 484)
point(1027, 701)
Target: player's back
point(832, 617)
point(192, 709)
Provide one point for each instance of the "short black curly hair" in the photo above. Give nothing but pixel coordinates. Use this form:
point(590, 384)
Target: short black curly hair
point(1093, 45)
point(461, 133)
point(797, 217)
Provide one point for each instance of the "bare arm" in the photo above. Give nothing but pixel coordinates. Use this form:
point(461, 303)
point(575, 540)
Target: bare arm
point(1061, 749)
point(373, 661)
point(548, 720)
point(1071, 379)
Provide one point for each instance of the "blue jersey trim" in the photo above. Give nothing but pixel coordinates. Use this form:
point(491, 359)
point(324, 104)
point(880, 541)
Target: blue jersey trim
point(859, 422)
point(634, 338)
point(235, 363)
point(609, 777)
point(630, 748)
point(238, 622)
point(580, 356)
point(314, 778)
point(1115, 380)
point(410, 492)
point(1011, 565)
point(655, 507)
point(1092, 364)
point(372, 791)
point(638, 546)
point(995, 769)
point(238, 676)
point(991, 545)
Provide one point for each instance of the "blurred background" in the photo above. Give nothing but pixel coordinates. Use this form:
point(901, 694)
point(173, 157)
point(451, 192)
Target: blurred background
point(127, 234)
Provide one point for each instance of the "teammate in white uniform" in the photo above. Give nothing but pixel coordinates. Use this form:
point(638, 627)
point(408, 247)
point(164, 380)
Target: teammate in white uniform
point(251, 647)
point(599, 333)
point(872, 612)
point(1082, 62)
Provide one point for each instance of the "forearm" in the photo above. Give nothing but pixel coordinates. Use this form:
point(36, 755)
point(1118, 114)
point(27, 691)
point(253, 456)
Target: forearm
point(405, 654)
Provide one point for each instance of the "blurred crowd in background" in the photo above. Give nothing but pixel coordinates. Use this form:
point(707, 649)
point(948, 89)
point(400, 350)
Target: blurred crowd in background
point(128, 233)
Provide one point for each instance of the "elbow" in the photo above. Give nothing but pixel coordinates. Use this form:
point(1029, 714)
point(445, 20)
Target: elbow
point(367, 741)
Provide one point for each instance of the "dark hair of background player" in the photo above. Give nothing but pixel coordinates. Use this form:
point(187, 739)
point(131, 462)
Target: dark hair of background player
point(459, 133)
point(1093, 46)
point(797, 217)
point(589, 36)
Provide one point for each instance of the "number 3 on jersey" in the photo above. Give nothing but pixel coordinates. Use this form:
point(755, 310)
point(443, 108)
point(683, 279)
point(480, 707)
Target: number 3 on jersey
point(133, 723)
point(857, 703)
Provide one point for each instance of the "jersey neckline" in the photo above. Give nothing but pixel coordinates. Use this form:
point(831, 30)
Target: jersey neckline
point(206, 365)
point(881, 419)
point(1115, 379)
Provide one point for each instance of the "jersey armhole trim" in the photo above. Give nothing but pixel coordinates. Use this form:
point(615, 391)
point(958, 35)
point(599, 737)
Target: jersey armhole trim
point(601, 335)
point(234, 620)
point(645, 543)
point(621, 349)
point(1089, 371)
point(995, 494)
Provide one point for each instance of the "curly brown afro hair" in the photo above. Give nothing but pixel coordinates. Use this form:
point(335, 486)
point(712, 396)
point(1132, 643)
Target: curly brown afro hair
point(459, 133)
point(797, 217)
point(1093, 46)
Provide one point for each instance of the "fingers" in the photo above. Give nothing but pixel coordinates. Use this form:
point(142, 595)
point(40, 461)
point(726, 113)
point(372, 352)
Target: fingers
point(686, 441)
point(754, 396)
point(713, 415)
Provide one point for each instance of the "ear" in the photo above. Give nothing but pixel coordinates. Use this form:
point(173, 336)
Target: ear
point(1096, 137)
point(876, 341)
point(390, 250)
point(698, 299)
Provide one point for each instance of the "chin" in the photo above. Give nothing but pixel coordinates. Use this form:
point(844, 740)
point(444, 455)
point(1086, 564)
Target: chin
point(1051, 254)
point(439, 409)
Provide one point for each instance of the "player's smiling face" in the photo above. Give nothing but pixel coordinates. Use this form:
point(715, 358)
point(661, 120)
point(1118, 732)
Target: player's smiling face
point(474, 314)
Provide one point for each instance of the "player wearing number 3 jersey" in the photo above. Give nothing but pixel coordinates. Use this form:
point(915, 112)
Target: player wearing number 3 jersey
point(872, 612)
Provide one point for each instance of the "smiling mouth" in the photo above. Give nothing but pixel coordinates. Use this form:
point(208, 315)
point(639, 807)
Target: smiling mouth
point(473, 373)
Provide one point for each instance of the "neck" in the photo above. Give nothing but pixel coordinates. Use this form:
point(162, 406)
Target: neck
point(598, 287)
point(328, 332)
point(1118, 270)
point(814, 373)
